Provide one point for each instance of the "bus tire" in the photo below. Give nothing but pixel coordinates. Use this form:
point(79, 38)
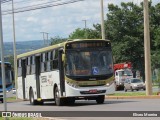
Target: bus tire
point(58, 101)
point(71, 100)
point(100, 99)
point(31, 97)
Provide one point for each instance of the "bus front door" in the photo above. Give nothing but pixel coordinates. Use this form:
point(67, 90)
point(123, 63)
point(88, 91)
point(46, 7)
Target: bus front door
point(24, 77)
point(37, 63)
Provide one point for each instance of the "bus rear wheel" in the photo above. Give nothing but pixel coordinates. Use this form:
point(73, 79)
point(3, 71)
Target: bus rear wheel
point(31, 97)
point(100, 99)
point(59, 101)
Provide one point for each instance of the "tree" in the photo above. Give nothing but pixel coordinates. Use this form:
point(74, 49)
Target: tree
point(85, 34)
point(155, 34)
point(57, 40)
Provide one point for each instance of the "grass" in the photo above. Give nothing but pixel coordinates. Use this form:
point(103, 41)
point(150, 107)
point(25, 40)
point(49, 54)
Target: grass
point(131, 94)
point(11, 99)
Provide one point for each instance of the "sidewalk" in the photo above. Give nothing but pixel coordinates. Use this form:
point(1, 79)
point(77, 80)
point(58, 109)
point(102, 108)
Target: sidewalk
point(134, 97)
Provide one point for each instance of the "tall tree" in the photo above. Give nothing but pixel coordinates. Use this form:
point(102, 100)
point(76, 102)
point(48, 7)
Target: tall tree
point(57, 40)
point(85, 34)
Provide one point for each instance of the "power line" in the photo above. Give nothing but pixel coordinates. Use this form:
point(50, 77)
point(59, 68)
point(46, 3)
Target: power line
point(32, 6)
point(19, 10)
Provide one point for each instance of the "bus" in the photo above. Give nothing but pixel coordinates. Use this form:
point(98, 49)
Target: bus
point(8, 78)
point(65, 72)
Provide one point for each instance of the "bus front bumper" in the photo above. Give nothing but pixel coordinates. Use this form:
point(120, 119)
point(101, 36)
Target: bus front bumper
point(89, 91)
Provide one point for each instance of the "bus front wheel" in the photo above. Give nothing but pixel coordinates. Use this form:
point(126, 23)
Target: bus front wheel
point(100, 99)
point(59, 101)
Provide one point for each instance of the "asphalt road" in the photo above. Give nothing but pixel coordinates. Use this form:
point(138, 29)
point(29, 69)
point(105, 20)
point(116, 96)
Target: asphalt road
point(82, 105)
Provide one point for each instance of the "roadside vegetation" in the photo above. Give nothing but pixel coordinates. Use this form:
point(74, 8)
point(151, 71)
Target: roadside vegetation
point(131, 94)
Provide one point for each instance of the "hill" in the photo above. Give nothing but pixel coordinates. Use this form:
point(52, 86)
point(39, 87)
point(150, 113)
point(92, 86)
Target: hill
point(22, 47)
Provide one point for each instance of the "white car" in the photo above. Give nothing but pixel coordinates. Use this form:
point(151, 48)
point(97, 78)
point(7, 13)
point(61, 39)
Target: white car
point(134, 84)
point(14, 90)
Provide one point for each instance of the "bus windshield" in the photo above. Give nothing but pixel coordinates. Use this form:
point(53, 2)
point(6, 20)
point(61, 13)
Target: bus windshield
point(89, 63)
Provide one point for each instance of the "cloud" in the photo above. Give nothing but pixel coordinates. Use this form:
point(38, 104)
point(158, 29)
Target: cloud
point(57, 21)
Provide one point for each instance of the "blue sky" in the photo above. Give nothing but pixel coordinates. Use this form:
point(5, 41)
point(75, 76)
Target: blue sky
point(57, 21)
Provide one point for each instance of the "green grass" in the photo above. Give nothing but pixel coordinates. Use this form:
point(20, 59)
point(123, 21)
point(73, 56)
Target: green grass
point(11, 99)
point(131, 94)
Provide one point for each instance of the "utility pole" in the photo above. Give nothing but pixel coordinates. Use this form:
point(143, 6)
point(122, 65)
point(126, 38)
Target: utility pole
point(2, 61)
point(43, 37)
point(45, 42)
point(47, 39)
point(102, 21)
point(85, 25)
point(14, 49)
point(147, 49)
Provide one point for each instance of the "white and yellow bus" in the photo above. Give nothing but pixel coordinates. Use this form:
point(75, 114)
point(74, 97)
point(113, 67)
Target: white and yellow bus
point(69, 71)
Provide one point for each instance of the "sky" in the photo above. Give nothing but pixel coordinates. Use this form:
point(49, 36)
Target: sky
point(57, 21)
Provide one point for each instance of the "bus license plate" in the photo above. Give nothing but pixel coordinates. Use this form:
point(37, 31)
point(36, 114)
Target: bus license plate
point(93, 91)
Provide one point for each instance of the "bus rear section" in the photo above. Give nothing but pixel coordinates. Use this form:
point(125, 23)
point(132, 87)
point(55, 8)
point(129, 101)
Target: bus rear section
point(78, 69)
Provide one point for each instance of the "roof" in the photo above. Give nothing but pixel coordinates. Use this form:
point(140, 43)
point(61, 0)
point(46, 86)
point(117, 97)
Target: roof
point(53, 47)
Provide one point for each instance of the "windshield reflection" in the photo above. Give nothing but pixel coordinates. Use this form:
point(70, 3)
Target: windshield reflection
point(89, 63)
point(126, 72)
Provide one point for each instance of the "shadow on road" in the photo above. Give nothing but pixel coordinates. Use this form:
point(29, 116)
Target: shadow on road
point(85, 103)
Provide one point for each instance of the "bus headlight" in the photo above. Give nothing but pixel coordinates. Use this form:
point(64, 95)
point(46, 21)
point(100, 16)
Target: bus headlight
point(72, 84)
point(110, 83)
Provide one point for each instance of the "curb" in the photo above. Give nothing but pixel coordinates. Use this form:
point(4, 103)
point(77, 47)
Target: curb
point(133, 97)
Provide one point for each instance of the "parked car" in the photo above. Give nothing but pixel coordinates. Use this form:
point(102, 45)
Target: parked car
point(134, 84)
point(13, 90)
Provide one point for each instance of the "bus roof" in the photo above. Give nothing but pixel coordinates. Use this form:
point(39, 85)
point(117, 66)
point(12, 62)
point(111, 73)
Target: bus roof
point(53, 47)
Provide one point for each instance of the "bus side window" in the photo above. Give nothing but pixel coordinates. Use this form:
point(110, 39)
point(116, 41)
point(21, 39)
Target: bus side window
point(19, 68)
point(54, 59)
point(48, 61)
point(42, 62)
point(28, 65)
point(33, 65)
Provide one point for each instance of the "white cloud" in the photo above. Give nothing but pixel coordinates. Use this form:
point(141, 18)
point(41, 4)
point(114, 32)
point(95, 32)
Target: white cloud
point(59, 20)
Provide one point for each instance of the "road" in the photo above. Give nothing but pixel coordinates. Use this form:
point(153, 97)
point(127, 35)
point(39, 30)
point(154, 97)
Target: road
point(82, 105)
point(109, 105)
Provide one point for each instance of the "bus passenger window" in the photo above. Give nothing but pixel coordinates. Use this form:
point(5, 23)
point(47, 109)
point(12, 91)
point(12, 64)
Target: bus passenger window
point(55, 64)
point(19, 68)
point(48, 66)
point(42, 67)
